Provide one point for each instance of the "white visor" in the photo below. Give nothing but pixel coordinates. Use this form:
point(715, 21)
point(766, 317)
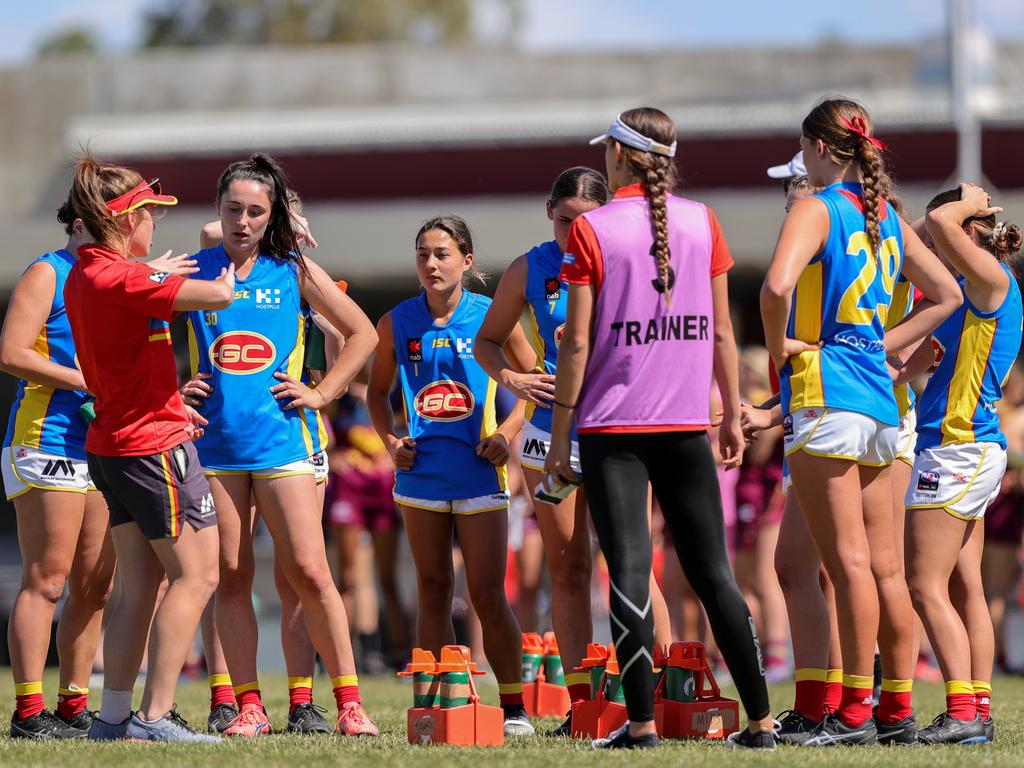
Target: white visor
point(622, 132)
point(794, 167)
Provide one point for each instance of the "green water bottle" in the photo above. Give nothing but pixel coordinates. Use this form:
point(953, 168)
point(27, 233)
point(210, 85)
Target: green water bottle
point(553, 671)
point(426, 689)
point(316, 352)
point(613, 689)
point(87, 410)
point(679, 684)
point(454, 689)
point(596, 675)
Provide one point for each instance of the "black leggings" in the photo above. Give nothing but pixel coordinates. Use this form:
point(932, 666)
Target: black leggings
point(681, 469)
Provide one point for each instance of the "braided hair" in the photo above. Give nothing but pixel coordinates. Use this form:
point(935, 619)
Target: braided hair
point(831, 123)
point(658, 175)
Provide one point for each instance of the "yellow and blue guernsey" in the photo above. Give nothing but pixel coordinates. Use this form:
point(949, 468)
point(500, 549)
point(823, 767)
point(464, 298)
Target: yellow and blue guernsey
point(263, 332)
point(975, 351)
point(544, 318)
point(314, 419)
point(842, 299)
point(902, 304)
point(449, 401)
point(43, 417)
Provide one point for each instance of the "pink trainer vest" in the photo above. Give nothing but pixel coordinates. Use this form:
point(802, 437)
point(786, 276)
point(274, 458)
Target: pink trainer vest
point(650, 364)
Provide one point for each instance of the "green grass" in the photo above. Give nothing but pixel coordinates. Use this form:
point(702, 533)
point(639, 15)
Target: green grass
point(387, 699)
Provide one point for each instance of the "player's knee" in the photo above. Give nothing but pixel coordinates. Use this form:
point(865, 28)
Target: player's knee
point(47, 581)
point(312, 579)
point(435, 590)
point(572, 574)
point(489, 602)
point(235, 579)
point(91, 592)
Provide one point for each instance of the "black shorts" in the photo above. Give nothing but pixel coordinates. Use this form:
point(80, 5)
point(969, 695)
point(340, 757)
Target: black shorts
point(158, 492)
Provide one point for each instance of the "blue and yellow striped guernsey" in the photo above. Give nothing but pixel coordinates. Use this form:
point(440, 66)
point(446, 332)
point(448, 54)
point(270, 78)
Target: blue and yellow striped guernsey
point(543, 319)
point(843, 298)
point(449, 401)
point(902, 304)
point(242, 347)
point(42, 417)
point(974, 353)
point(314, 419)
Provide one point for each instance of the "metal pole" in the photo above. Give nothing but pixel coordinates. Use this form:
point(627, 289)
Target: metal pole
point(968, 144)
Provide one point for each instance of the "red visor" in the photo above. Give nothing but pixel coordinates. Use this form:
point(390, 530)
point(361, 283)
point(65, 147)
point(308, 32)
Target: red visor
point(146, 193)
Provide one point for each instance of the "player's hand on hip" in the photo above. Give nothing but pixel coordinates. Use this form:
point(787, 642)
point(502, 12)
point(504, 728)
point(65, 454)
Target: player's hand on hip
point(297, 393)
point(494, 449)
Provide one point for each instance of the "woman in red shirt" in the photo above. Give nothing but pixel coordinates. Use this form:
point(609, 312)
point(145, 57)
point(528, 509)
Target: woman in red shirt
point(139, 446)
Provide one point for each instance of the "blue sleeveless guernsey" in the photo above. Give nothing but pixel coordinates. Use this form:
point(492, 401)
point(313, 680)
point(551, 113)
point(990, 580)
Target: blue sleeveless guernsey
point(42, 417)
point(314, 419)
point(902, 304)
point(842, 298)
point(243, 346)
point(544, 319)
point(975, 351)
point(449, 401)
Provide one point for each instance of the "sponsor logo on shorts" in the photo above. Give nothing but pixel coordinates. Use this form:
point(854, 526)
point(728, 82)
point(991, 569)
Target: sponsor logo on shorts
point(535, 447)
point(22, 453)
point(499, 497)
point(159, 277)
point(444, 400)
point(810, 413)
point(206, 508)
point(960, 477)
point(787, 426)
point(928, 481)
point(242, 352)
point(317, 460)
point(414, 350)
point(59, 468)
point(552, 288)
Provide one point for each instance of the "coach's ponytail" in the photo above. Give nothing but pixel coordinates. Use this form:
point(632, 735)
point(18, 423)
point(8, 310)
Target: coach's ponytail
point(92, 186)
point(657, 173)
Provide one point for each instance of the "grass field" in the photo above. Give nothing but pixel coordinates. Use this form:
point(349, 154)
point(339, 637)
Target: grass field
point(387, 700)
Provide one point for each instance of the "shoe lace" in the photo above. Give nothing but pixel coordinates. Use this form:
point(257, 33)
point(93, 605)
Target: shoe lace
point(307, 710)
point(249, 716)
point(355, 713)
point(177, 719)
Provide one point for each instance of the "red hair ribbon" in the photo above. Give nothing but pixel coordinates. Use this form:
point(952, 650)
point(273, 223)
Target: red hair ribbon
point(859, 129)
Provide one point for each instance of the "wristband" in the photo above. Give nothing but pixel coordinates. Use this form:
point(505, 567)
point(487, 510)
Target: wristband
point(564, 405)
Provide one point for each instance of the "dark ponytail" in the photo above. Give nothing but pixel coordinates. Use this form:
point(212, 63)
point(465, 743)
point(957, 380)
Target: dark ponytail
point(279, 241)
point(582, 182)
point(1000, 238)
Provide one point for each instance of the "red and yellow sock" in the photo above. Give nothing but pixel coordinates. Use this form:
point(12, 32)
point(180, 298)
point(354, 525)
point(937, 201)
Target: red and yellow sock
point(894, 703)
point(578, 684)
point(833, 691)
point(855, 704)
point(300, 690)
point(248, 695)
point(983, 698)
point(221, 691)
point(28, 699)
point(71, 700)
point(510, 694)
point(810, 692)
point(346, 690)
point(960, 701)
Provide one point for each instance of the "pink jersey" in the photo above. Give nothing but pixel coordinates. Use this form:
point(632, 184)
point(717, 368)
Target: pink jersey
point(650, 363)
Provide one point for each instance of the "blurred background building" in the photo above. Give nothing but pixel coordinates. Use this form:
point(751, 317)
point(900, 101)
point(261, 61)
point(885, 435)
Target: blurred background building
point(384, 113)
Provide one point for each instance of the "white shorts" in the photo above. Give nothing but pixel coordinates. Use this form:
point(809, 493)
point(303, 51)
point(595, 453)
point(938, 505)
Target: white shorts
point(962, 478)
point(300, 467)
point(492, 502)
point(534, 444)
point(838, 434)
point(318, 461)
point(907, 441)
point(27, 468)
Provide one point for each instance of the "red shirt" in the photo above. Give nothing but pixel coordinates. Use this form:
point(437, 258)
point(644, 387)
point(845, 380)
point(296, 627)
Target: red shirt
point(119, 310)
point(589, 267)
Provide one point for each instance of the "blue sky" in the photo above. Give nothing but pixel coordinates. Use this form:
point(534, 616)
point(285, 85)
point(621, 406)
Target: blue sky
point(592, 24)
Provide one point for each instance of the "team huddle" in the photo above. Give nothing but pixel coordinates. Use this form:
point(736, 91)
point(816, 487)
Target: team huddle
point(613, 337)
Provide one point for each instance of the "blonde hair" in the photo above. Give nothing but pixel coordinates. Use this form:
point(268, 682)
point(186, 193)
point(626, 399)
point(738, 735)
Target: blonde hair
point(93, 185)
